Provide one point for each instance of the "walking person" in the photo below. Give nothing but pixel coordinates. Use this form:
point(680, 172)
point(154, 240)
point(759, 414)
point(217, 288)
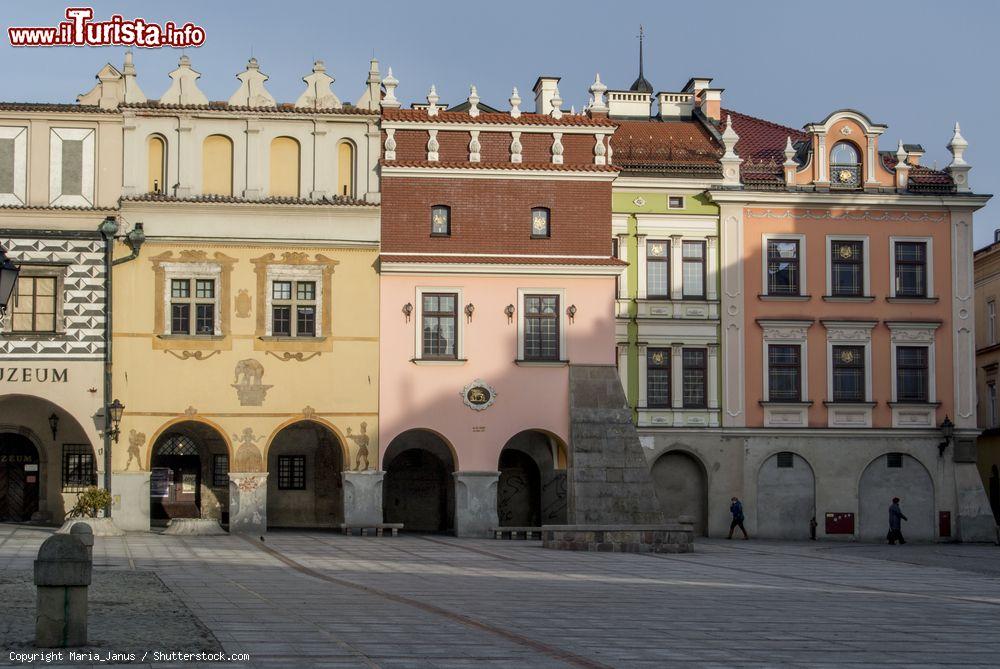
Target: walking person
point(736, 509)
point(895, 516)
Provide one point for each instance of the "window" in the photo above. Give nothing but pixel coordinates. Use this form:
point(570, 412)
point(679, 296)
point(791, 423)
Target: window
point(541, 327)
point(34, 309)
point(345, 169)
point(786, 460)
point(177, 444)
point(991, 397)
point(293, 308)
point(291, 472)
point(217, 165)
point(847, 268)
point(695, 377)
point(911, 269)
point(78, 470)
point(784, 372)
point(675, 202)
point(284, 167)
point(845, 166)
point(192, 312)
point(658, 377)
point(220, 470)
point(991, 322)
point(156, 149)
point(893, 460)
point(439, 313)
point(440, 221)
point(658, 269)
point(540, 222)
point(848, 373)
point(912, 383)
point(783, 267)
point(693, 269)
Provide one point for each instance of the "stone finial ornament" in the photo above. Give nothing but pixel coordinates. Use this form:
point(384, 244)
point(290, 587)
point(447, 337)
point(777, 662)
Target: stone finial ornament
point(184, 86)
point(556, 103)
point(432, 101)
point(790, 166)
point(515, 104)
point(473, 101)
point(319, 90)
point(597, 91)
point(730, 161)
point(390, 82)
point(958, 168)
point(902, 167)
point(252, 92)
point(132, 91)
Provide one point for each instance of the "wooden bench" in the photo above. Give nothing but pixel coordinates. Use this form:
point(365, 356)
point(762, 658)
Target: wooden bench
point(515, 532)
point(378, 528)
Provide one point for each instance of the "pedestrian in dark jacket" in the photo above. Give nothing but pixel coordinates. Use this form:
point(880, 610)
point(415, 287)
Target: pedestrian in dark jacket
point(895, 516)
point(736, 509)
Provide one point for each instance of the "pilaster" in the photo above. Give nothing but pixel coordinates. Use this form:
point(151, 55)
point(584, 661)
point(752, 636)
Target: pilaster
point(476, 503)
point(248, 503)
point(363, 498)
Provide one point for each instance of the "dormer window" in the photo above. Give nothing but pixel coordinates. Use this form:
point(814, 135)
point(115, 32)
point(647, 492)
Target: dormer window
point(440, 221)
point(845, 166)
point(540, 222)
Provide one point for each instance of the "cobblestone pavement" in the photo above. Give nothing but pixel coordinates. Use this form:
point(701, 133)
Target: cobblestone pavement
point(317, 599)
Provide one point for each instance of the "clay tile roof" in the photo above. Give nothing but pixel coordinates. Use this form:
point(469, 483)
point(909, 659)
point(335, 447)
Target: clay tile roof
point(54, 107)
point(280, 108)
point(922, 178)
point(503, 260)
point(227, 199)
point(665, 146)
point(526, 118)
point(762, 143)
point(548, 167)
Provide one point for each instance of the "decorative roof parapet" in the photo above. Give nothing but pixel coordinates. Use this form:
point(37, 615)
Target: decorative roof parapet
point(730, 161)
point(789, 166)
point(251, 92)
point(371, 98)
point(958, 168)
point(432, 100)
point(319, 90)
point(597, 90)
point(390, 82)
point(184, 86)
point(556, 103)
point(902, 168)
point(473, 101)
point(132, 91)
point(515, 104)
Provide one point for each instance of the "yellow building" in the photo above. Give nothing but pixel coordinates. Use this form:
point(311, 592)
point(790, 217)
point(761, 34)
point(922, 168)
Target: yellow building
point(246, 325)
point(987, 277)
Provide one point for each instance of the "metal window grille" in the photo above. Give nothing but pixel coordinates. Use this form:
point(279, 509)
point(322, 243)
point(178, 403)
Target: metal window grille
point(177, 444)
point(894, 460)
point(786, 460)
point(78, 467)
point(220, 470)
point(291, 472)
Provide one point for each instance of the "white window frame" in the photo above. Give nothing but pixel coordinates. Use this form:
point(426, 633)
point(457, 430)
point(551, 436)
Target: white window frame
point(991, 321)
point(418, 329)
point(293, 273)
point(866, 265)
point(787, 332)
point(56, 196)
point(803, 256)
point(914, 334)
point(849, 333)
point(293, 303)
point(683, 201)
point(563, 353)
point(20, 136)
point(930, 265)
point(39, 270)
point(192, 271)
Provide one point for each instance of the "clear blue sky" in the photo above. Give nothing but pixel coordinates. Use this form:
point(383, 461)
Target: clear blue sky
point(917, 66)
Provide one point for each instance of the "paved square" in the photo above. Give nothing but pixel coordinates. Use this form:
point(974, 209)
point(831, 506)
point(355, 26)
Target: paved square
point(319, 599)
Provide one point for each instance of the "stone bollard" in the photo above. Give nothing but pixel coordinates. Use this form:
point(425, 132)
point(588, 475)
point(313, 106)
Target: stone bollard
point(62, 575)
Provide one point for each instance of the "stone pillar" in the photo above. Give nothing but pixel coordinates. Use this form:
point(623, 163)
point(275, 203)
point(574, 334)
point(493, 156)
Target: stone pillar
point(62, 575)
point(130, 504)
point(976, 522)
point(248, 503)
point(476, 503)
point(255, 156)
point(187, 156)
point(363, 498)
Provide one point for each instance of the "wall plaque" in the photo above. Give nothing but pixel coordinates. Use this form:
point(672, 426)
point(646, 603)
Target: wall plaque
point(479, 395)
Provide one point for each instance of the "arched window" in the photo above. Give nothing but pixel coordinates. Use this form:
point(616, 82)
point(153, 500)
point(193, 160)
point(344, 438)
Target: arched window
point(284, 167)
point(217, 165)
point(845, 166)
point(345, 169)
point(540, 222)
point(157, 153)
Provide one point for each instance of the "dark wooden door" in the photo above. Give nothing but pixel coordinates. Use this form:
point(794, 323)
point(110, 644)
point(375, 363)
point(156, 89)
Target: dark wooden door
point(19, 475)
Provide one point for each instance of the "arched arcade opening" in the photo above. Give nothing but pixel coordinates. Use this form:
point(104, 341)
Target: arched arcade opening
point(419, 487)
point(304, 486)
point(189, 474)
point(681, 485)
point(531, 491)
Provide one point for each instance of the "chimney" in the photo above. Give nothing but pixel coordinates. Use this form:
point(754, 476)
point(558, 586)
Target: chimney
point(711, 103)
point(696, 85)
point(914, 153)
point(545, 89)
point(675, 105)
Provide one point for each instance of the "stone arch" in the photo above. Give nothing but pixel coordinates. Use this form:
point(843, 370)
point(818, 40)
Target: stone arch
point(419, 488)
point(347, 163)
point(156, 160)
point(304, 462)
point(285, 165)
point(681, 483)
point(531, 490)
point(186, 483)
point(341, 439)
point(911, 481)
point(786, 496)
point(186, 419)
point(217, 165)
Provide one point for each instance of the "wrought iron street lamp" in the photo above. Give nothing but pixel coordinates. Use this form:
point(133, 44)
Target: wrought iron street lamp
point(54, 425)
point(947, 431)
point(8, 280)
point(115, 411)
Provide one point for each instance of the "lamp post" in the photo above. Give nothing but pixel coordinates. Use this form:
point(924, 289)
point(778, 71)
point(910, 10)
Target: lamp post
point(54, 425)
point(947, 431)
point(8, 280)
point(115, 411)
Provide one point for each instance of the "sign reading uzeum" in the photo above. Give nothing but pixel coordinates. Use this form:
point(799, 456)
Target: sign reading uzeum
point(34, 374)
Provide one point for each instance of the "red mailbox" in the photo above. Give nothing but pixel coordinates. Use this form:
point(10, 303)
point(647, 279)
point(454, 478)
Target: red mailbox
point(840, 523)
point(944, 523)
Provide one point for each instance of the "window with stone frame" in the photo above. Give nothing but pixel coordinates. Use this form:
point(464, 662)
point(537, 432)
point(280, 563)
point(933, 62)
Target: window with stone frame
point(657, 269)
point(78, 467)
point(848, 366)
point(694, 375)
point(783, 267)
point(293, 308)
point(847, 268)
point(193, 304)
point(541, 327)
point(911, 268)
point(784, 372)
point(845, 166)
point(912, 374)
point(439, 326)
point(693, 269)
point(658, 378)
